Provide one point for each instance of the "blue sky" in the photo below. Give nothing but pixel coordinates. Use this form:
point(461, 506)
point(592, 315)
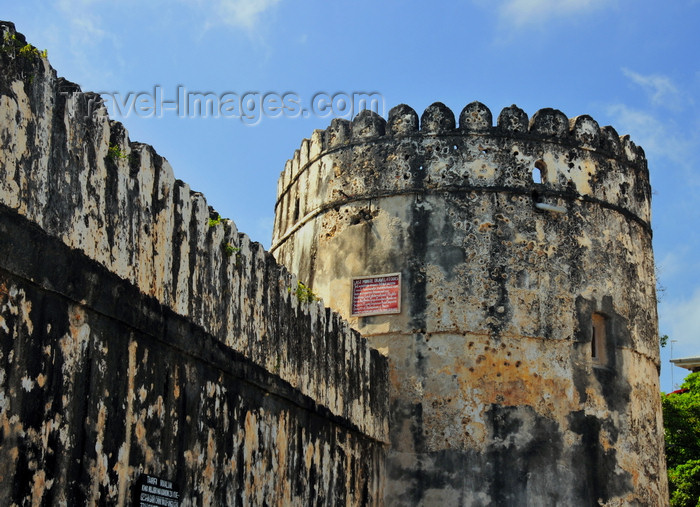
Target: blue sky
point(632, 64)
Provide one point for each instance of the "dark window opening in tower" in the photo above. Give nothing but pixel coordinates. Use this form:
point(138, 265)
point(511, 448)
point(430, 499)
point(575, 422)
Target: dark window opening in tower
point(296, 210)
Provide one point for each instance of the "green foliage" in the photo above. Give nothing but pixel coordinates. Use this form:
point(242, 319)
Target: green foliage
point(11, 44)
point(213, 222)
point(682, 434)
point(684, 481)
point(682, 422)
point(115, 153)
point(229, 249)
point(663, 340)
point(303, 293)
point(30, 51)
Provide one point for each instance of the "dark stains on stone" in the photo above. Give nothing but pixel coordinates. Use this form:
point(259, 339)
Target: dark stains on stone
point(418, 238)
point(365, 214)
point(441, 252)
point(111, 204)
point(498, 270)
point(404, 413)
point(599, 477)
point(519, 469)
point(508, 474)
point(178, 232)
point(194, 303)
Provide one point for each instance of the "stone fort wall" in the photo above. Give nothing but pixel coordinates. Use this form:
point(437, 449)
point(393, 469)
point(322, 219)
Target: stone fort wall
point(524, 361)
point(140, 334)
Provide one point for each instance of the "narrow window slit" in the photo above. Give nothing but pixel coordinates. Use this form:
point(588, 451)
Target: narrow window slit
point(539, 172)
point(598, 337)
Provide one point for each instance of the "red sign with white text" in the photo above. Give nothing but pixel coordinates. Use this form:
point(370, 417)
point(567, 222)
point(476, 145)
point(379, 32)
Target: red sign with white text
point(376, 295)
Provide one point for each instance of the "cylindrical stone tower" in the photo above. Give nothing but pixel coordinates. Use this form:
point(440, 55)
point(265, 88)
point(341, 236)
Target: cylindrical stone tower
point(523, 345)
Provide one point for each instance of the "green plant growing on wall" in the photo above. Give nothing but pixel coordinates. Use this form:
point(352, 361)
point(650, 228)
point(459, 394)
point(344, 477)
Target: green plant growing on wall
point(11, 44)
point(303, 293)
point(228, 248)
point(115, 153)
point(29, 51)
point(681, 411)
point(213, 222)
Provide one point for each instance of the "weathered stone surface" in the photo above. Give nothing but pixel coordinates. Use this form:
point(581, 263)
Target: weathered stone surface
point(101, 384)
point(402, 120)
point(437, 118)
point(197, 362)
point(475, 116)
point(496, 398)
point(513, 119)
point(368, 124)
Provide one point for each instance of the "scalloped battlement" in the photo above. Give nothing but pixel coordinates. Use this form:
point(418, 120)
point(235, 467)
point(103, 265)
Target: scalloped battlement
point(476, 118)
point(578, 159)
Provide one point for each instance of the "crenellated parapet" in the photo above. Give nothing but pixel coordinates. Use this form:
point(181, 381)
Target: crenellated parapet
point(574, 159)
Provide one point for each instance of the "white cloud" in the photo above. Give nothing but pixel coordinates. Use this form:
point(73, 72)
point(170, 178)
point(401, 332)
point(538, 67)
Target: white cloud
point(528, 12)
point(672, 264)
point(244, 13)
point(75, 6)
point(672, 135)
point(84, 20)
point(84, 36)
point(660, 89)
point(655, 136)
